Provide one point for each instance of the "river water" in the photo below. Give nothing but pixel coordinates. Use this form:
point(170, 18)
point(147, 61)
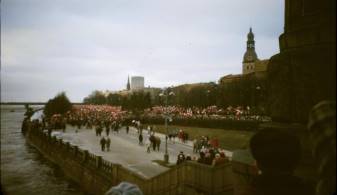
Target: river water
point(23, 169)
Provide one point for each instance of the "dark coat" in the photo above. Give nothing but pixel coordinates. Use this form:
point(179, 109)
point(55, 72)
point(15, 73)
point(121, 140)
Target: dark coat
point(280, 185)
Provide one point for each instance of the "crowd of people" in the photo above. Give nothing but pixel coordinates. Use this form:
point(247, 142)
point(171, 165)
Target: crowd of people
point(94, 115)
point(104, 119)
point(277, 153)
point(208, 150)
point(212, 112)
point(107, 118)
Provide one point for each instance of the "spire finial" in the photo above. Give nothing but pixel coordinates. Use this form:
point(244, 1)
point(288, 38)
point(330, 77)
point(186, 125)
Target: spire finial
point(128, 84)
point(250, 29)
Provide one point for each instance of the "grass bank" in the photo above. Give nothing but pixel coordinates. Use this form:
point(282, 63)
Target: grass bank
point(228, 139)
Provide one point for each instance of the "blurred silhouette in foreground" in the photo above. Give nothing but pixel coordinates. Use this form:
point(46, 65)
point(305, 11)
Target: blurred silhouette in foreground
point(277, 154)
point(322, 128)
point(124, 188)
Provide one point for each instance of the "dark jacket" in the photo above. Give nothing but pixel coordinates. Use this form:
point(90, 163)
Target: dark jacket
point(280, 185)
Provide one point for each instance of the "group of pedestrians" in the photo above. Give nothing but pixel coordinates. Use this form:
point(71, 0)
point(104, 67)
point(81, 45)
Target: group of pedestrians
point(105, 143)
point(203, 142)
point(209, 157)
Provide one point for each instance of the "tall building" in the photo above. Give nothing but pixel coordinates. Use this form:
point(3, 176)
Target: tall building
point(250, 57)
point(128, 84)
point(137, 83)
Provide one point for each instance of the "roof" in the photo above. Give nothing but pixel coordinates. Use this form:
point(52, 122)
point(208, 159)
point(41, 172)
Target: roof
point(261, 65)
point(230, 78)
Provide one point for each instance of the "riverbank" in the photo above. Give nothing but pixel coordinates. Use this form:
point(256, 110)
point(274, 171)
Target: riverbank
point(96, 175)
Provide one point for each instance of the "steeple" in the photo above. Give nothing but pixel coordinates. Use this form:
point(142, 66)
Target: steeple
point(250, 41)
point(250, 55)
point(128, 84)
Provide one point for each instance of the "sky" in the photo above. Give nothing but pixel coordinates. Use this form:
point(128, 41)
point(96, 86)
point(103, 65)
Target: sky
point(78, 46)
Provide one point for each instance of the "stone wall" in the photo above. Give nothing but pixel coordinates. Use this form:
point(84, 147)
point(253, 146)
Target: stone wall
point(304, 72)
point(92, 173)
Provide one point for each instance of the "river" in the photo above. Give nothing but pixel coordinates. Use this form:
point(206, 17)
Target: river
point(23, 169)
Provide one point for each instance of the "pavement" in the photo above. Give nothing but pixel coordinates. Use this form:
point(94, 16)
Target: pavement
point(125, 149)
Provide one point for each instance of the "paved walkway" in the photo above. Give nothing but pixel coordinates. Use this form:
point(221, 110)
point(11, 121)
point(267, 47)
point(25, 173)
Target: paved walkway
point(125, 149)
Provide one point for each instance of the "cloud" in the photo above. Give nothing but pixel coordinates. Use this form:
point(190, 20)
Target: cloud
point(79, 46)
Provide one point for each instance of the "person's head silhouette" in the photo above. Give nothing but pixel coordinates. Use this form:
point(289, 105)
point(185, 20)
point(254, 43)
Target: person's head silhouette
point(275, 151)
point(124, 188)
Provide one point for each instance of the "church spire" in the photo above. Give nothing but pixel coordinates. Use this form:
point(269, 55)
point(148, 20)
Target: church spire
point(250, 41)
point(128, 84)
point(250, 55)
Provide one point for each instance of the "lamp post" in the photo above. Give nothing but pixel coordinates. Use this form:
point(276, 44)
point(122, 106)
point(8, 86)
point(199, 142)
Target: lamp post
point(208, 98)
point(258, 88)
point(166, 116)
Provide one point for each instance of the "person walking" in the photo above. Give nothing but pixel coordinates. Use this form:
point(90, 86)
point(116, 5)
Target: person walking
point(107, 129)
point(116, 128)
point(127, 129)
point(63, 124)
point(108, 141)
point(97, 130)
point(140, 139)
point(148, 145)
point(103, 141)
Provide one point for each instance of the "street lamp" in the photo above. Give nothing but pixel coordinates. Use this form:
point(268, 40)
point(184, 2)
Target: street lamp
point(167, 117)
point(207, 95)
point(258, 88)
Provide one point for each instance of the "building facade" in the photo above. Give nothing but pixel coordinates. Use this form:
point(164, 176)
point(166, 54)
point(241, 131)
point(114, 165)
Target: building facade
point(137, 83)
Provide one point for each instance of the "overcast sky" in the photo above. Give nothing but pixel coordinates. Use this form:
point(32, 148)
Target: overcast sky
point(77, 46)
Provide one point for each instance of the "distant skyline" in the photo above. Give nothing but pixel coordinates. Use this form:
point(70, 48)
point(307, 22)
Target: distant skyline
point(78, 46)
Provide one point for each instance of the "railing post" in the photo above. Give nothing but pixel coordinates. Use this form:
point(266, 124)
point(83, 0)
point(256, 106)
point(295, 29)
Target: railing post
point(98, 162)
point(116, 173)
point(67, 147)
point(212, 181)
point(86, 155)
point(75, 150)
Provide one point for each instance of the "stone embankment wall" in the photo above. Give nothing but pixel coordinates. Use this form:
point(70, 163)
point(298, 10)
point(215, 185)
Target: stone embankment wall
point(96, 175)
point(92, 173)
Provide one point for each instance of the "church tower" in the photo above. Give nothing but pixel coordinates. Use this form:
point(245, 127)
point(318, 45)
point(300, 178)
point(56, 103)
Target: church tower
point(128, 84)
point(250, 57)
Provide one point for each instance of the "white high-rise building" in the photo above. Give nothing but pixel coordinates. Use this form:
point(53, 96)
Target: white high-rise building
point(137, 83)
